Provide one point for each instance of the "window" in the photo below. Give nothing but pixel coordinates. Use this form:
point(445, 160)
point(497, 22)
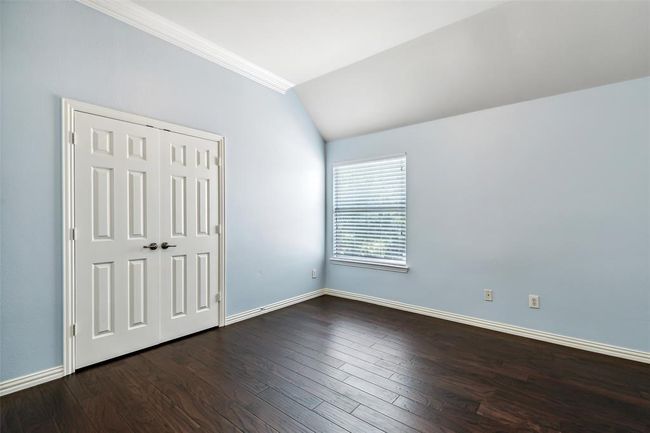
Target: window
point(370, 213)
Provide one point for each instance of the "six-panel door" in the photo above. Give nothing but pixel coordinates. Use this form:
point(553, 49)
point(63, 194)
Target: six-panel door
point(188, 220)
point(137, 185)
point(116, 214)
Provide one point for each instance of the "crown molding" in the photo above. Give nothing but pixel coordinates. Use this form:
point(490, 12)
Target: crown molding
point(147, 21)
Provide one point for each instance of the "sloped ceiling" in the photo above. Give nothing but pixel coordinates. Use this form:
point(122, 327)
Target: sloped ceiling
point(364, 66)
point(301, 40)
point(510, 53)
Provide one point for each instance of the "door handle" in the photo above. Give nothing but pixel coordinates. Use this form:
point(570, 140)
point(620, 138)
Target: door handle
point(165, 245)
point(152, 246)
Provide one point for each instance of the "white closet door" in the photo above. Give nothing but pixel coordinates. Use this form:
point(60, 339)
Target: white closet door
point(188, 220)
point(116, 213)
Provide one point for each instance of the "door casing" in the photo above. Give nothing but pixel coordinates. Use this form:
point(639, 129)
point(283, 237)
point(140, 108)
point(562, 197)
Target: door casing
point(68, 109)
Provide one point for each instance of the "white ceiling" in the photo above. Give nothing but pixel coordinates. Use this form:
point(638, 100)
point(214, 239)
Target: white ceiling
point(364, 66)
point(302, 40)
point(514, 52)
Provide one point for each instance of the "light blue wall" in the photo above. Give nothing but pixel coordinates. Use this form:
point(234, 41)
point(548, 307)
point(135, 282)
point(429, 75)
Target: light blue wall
point(548, 196)
point(275, 162)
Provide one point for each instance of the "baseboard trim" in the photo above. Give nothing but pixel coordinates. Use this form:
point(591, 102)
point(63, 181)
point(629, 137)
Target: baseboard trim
point(39, 377)
point(29, 380)
point(576, 343)
point(272, 307)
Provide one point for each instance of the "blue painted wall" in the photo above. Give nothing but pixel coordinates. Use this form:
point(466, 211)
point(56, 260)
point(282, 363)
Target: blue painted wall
point(275, 162)
point(548, 196)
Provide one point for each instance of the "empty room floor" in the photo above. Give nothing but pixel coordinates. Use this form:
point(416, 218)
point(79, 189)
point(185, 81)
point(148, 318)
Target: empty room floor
point(333, 365)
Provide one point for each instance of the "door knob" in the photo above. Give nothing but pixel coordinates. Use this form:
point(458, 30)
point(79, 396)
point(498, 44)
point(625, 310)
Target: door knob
point(165, 245)
point(152, 246)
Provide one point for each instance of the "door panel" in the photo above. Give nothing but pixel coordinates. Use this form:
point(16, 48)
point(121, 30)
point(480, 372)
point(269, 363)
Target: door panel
point(137, 204)
point(116, 214)
point(179, 206)
point(137, 292)
point(203, 281)
point(103, 299)
point(136, 185)
point(188, 219)
point(178, 281)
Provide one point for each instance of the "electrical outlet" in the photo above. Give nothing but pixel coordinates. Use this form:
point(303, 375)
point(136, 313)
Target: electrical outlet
point(487, 295)
point(533, 301)
point(314, 274)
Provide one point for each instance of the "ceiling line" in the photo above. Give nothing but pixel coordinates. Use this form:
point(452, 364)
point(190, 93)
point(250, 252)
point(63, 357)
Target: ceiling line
point(152, 23)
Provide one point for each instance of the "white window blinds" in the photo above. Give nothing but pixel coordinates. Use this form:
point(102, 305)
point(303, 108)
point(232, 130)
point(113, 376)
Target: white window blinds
point(370, 211)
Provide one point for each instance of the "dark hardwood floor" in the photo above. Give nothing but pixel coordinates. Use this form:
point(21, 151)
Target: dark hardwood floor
point(332, 365)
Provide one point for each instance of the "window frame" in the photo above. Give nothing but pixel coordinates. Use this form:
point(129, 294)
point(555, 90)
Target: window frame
point(369, 262)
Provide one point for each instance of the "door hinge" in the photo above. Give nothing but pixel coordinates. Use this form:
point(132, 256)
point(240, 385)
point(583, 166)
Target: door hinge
point(74, 329)
point(218, 297)
point(217, 229)
point(73, 234)
point(72, 140)
point(219, 161)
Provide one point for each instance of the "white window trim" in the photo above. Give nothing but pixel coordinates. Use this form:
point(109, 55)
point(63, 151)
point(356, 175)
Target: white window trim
point(369, 263)
point(393, 267)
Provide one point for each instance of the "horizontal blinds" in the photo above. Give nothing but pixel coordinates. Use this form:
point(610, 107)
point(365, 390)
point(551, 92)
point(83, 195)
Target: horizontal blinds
point(370, 210)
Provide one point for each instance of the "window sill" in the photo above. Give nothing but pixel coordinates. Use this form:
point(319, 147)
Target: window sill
point(369, 265)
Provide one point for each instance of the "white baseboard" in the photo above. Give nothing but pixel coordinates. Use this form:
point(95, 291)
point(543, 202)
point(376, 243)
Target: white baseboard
point(29, 380)
point(577, 343)
point(33, 379)
point(271, 307)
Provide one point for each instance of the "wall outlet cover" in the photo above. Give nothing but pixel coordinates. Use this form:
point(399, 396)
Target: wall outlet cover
point(533, 301)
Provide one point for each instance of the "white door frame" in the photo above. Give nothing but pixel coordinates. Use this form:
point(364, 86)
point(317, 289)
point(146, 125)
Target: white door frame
point(68, 108)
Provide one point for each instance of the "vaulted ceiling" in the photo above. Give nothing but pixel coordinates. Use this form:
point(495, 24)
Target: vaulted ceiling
point(512, 53)
point(302, 40)
point(363, 66)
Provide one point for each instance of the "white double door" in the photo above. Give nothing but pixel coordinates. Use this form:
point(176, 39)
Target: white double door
point(146, 236)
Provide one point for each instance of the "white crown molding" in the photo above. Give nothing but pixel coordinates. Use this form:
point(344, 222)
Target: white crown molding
point(147, 21)
point(29, 380)
point(271, 307)
point(562, 340)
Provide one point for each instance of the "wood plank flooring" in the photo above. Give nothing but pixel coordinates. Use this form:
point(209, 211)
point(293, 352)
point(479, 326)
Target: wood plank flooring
point(333, 365)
